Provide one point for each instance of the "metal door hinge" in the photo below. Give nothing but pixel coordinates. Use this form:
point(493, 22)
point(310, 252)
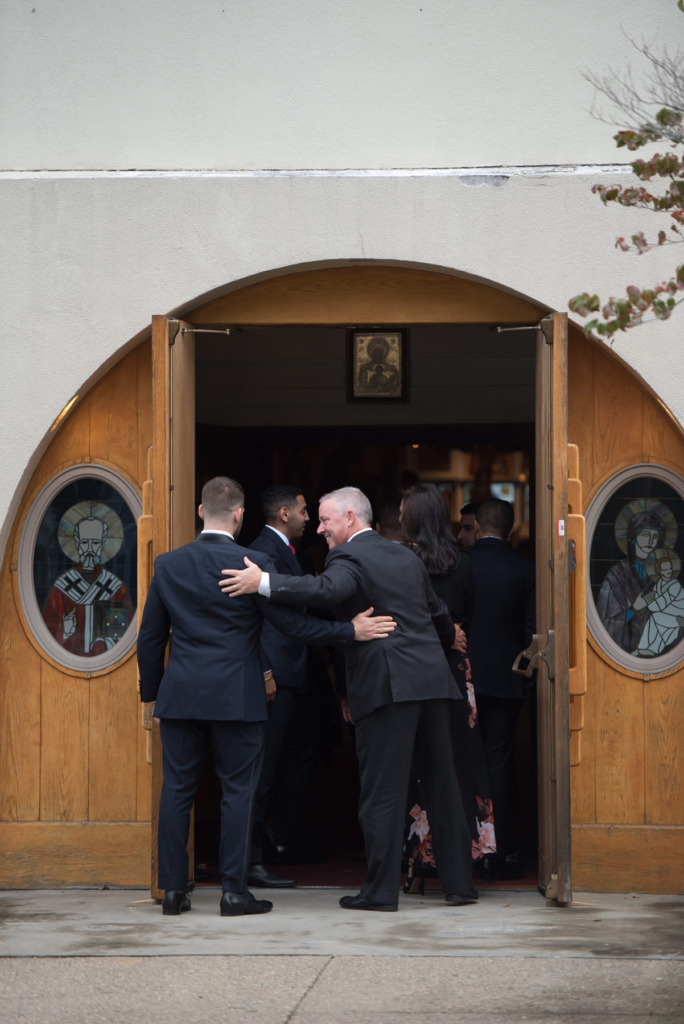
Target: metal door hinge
point(546, 327)
point(535, 651)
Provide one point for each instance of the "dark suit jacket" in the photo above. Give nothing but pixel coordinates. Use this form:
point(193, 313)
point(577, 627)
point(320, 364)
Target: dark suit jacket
point(503, 618)
point(371, 571)
point(285, 655)
point(215, 671)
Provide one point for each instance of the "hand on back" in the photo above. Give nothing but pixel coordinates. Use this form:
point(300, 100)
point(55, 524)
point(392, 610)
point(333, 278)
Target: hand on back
point(369, 627)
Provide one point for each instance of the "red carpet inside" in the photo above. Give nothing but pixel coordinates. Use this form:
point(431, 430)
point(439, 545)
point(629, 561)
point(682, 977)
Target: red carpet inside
point(348, 874)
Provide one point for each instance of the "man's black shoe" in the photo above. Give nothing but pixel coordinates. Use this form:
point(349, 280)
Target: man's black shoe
point(460, 899)
point(359, 903)
point(235, 904)
point(174, 903)
point(262, 877)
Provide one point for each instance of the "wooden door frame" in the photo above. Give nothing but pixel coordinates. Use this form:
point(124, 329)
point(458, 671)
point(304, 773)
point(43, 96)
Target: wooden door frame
point(346, 295)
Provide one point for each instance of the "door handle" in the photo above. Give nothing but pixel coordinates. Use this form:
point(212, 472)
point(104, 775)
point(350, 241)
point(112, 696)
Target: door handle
point(535, 651)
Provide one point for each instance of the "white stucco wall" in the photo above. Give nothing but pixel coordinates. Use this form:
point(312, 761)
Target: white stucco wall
point(91, 260)
point(90, 89)
point(310, 83)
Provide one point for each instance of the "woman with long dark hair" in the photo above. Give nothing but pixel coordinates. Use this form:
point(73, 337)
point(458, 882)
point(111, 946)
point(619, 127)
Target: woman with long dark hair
point(426, 527)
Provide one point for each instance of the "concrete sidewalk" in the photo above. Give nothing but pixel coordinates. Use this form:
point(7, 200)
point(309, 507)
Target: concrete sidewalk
point(94, 957)
point(339, 990)
point(309, 921)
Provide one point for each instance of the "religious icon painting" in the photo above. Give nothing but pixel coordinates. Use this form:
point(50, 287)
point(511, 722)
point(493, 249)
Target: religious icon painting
point(377, 365)
point(635, 534)
point(78, 567)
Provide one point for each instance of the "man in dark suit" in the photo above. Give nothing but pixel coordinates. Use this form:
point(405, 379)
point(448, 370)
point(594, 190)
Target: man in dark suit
point(211, 695)
point(397, 696)
point(468, 530)
point(502, 626)
point(290, 748)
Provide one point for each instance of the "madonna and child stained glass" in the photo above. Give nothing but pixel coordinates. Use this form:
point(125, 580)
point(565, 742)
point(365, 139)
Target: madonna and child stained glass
point(84, 569)
point(637, 547)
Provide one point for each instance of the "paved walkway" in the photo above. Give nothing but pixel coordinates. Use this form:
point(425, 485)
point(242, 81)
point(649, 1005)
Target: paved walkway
point(78, 957)
point(339, 990)
point(309, 921)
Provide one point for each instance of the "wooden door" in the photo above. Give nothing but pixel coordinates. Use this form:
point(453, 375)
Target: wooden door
point(168, 519)
point(553, 565)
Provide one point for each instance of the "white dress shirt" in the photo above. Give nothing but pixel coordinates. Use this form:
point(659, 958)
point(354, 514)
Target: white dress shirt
point(265, 585)
point(224, 532)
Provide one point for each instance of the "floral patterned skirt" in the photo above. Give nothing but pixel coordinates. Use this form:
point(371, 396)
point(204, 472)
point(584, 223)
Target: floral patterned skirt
point(471, 769)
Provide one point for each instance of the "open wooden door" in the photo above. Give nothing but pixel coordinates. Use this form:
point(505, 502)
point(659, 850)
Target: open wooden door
point(549, 652)
point(553, 565)
point(168, 519)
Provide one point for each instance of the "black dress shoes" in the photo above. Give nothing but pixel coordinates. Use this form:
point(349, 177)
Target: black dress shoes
point(235, 904)
point(461, 899)
point(359, 903)
point(174, 903)
point(262, 877)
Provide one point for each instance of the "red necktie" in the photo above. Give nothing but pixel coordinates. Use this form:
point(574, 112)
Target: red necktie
point(291, 547)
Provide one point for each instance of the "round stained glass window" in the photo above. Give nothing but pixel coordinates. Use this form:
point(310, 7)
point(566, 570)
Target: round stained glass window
point(635, 533)
point(77, 567)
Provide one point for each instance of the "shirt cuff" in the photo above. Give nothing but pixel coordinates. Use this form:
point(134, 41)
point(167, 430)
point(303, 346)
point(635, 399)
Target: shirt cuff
point(265, 585)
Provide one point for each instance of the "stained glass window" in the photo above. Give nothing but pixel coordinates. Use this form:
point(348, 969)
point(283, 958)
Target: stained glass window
point(635, 562)
point(84, 568)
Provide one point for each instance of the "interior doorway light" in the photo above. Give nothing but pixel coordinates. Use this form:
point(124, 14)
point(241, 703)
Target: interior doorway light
point(64, 413)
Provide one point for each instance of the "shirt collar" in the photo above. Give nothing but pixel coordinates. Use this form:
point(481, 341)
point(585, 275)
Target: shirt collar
point(224, 532)
point(281, 535)
point(491, 536)
point(365, 530)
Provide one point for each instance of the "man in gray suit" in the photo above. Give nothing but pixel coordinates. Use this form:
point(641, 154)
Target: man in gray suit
point(398, 695)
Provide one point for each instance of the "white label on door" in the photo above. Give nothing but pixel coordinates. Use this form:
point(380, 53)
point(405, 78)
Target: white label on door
point(561, 527)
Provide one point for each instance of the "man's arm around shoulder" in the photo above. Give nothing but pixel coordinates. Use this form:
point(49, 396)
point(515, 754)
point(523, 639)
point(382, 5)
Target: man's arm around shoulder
point(338, 581)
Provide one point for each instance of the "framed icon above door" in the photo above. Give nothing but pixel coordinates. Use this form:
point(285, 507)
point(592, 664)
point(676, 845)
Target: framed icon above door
point(378, 365)
point(635, 550)
point(77, 567)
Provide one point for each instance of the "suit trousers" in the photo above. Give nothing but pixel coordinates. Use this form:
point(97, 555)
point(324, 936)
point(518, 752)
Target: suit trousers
point(290, 751)
point(385, 741)
point(498, 717)
point(238, 752)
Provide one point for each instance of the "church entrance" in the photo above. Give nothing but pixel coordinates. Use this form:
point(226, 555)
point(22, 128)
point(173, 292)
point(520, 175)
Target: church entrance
point(465, 463)
point(378, 377)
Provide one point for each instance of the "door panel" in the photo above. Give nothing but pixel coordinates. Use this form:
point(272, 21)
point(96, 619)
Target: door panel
point(172, 486)
point(577, 607)
point(552, 560)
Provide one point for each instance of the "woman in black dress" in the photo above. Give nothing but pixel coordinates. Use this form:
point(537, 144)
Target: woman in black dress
point(426, 527)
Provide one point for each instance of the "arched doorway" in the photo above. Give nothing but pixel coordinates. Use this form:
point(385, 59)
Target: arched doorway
point(270, 366)
point(75, 782)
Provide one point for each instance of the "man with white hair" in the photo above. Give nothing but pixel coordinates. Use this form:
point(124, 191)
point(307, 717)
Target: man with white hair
point(397, 691)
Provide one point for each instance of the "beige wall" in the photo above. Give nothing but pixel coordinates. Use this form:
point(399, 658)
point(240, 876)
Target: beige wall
point(211, 84)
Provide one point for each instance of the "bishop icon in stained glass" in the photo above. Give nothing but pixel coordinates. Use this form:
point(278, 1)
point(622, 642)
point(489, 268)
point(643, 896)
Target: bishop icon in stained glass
point(88, 608)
